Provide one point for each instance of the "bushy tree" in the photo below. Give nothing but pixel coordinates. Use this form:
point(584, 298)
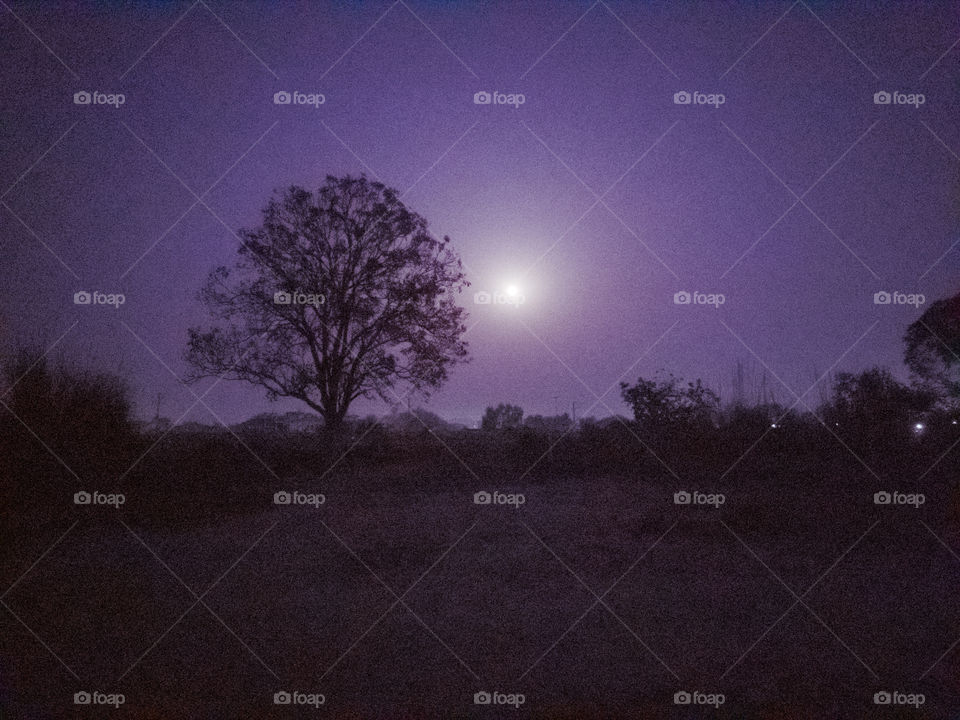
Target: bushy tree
point(873, 403)
point(339, 294)
point(82, 416)
point(665, 402)
point(502, 417)
point(874, 412)
point(933, 349)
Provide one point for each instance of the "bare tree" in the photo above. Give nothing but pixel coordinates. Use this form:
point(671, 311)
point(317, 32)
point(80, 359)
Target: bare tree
point(338, 294)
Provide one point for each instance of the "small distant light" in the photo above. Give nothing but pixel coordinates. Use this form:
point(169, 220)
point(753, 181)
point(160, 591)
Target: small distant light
point(918, 427)
point(773, 425)
point(954, 422)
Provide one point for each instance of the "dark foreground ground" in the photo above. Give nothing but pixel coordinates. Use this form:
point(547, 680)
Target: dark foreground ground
point(399, 597)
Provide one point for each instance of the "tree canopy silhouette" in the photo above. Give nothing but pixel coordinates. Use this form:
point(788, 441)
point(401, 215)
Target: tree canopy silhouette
point(338, 294)
point(933, 348)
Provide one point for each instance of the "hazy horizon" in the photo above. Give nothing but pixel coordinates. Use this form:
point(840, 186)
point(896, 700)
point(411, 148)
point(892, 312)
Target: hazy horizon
point(600, 197)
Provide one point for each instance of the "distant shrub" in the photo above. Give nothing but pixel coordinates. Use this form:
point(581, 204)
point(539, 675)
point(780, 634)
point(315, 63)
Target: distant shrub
point(83, 417)
point(666, 402)
point(502, 417)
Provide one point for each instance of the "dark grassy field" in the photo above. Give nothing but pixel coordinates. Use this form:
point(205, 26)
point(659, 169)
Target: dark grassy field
point(399, 597)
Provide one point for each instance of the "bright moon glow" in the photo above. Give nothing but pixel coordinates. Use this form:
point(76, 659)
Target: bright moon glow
point(513, 290)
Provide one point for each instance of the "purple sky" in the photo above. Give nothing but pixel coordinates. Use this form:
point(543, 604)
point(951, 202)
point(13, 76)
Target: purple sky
point(99, 198)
